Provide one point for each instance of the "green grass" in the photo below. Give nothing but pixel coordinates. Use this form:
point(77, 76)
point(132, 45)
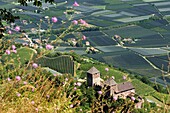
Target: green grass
point(142, 88)
point(99, 7)
point(164, 98)
point(146, 90)
point(23, 55)
point(101, 67)
point(151, 98)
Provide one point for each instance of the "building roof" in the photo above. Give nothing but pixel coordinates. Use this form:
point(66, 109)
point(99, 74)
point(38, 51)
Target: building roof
point(125, 86)
point(110, 81)
point(93, 70)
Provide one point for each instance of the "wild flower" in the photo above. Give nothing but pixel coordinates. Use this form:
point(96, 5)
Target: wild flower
point(107, 69)
point(24, 82)
point(17, 28)
point(55, 75)
point(32, 102)
point(33, 89)
point(48, 96)
point(76, 4)
point(124, 77)
point(71, 106)
point(18, 94)
point(14, 51)
point(34, 65)
point(78, 84)
point(49, 47)
point(84, 37)
point(75, 88)
point(8, 79)
point(36, 109)
point(18, 78)
point(13, 47)
point(66, 79)
point(100, 92)
point(133, 98)
point(83, 22)
point(9, 32)
point(81, 110)
point(54, 19)
point(115, 98)
point(75, 22)
point(8, 52)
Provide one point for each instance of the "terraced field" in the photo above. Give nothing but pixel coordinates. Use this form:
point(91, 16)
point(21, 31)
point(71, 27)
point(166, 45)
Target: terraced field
point(143, 26)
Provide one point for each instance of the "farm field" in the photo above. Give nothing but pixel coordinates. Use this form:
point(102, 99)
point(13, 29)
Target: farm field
point(143, 26)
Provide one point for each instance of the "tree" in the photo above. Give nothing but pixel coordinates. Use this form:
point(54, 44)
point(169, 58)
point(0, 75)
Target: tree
point(35, 2)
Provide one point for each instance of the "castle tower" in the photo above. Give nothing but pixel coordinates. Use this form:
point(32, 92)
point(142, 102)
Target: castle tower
point(93, 77)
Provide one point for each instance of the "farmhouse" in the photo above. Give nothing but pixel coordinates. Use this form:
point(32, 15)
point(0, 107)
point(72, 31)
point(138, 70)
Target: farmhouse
point(113, 89)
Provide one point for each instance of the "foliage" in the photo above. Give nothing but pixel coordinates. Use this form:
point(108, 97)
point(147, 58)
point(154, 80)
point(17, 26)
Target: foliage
point(5, 17)
point(35, 2)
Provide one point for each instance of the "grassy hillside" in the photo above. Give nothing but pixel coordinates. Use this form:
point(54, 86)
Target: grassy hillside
point(24, 55)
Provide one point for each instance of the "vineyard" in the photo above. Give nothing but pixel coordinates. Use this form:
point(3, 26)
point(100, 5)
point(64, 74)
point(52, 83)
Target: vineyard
point(63, 64)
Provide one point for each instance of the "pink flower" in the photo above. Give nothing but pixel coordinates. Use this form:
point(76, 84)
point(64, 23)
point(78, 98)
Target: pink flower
point(75, 22)
point(36, 109)
point(124, 77)
point(75, 88)
point(17, 28)
point(75, 84)
point(54, 19)
point(24, 82)
point(9, 32)
point(8, 79)
point(13, 47)
point(71, 106)
point(76, 4)
point(66, 79)
point(14, 51)
point(115, 98)
point(34, 65)
point(48, 96)
point(33, 89)
point(133, 98)
point(84, 37)
point(78, 84)
point(18, 94)
point(18, 78)
point(7, 52)
point(107, 69)
point(32, 102)
point(100, 92)
point(55, 75)
point(83, 22)
point(49, 47)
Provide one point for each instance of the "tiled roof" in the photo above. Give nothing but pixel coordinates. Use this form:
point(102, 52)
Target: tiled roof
point(110, 82)
point(93, 70)
point(125, 86)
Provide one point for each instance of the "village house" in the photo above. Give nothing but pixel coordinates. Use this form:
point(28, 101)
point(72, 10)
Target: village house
point(114, 89)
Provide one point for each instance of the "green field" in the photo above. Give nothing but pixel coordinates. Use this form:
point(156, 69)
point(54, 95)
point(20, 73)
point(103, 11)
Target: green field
point(24, 55)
